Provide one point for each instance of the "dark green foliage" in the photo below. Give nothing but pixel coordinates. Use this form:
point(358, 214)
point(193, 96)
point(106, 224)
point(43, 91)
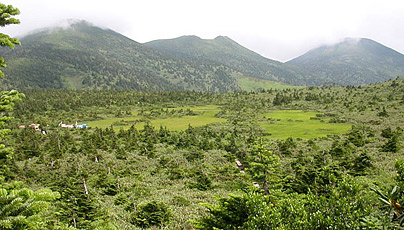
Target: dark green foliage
point(383, 113)
point(21, 208)
point(7, 98)
point(392, 144)
point(229, 213)
point(262, 165)
point(122, 199)
point(361, 163)
point(7, 101)
point(341, 150)
point(193, 155)
point(313, 178)
point(286, 146)
point(281, 99)
point(342, 208)
point(152, 213)
point(108, 184)
point(202, 181)
point(387, 133)
point(180, 201)
point(6, 13)
point(359, 135)
point(76, 207)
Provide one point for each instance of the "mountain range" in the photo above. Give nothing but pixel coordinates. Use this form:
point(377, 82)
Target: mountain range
point(83, 56)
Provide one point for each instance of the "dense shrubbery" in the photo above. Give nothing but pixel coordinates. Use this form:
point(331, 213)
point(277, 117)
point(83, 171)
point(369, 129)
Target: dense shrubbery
point(106, 176)
point(342, 207)
point(152, 213)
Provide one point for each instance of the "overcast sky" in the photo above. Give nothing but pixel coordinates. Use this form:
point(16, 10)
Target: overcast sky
point(276, 29)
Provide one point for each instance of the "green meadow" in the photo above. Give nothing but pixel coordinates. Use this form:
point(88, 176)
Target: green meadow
point(204, 115)
point(282, 124)
point(279, 124)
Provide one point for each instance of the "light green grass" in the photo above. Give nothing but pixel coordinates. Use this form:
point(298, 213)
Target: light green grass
point(182, 123)
point(109, 121)
point(206, 115)
point(297, 124)
point(250, 84)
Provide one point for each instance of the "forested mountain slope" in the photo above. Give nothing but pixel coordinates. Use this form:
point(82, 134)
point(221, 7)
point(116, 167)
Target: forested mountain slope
point(224, 50)
point(83, 56)
point(351, 62)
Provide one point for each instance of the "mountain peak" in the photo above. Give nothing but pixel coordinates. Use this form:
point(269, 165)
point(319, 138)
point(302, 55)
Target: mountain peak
point(225, 39)
point(220, 37)
point(352, 40)
point(65, 24)
point(353, 61)
point(188, 37)
point(69, 24)
point(74, 21)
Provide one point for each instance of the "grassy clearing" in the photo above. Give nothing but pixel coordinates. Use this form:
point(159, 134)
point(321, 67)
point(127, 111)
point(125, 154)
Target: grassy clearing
point(282, 124)
point(104, 123)
point(182, 123)
point(205, 115)
point(249, 84)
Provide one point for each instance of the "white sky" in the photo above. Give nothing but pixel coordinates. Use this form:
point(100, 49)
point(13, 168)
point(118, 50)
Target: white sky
point(277, 29)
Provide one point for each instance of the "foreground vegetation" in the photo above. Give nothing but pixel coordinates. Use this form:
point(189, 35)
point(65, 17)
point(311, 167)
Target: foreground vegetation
point(122, 176)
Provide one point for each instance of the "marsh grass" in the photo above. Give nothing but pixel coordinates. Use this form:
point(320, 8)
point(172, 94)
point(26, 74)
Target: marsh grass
point(300, 124)
point(205, 115)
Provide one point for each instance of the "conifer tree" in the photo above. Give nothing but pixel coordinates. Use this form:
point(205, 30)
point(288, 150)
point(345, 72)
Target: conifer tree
point(6, 13)
point(263, 163)
point(7, 98)
point(22, 208)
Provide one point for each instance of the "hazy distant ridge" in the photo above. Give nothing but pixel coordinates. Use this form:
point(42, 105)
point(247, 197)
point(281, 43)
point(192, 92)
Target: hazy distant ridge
point(354, 61)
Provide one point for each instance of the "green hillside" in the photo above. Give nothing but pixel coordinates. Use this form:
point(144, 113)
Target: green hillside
point(224, 50)
point(351, 62)
point(83, 56)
